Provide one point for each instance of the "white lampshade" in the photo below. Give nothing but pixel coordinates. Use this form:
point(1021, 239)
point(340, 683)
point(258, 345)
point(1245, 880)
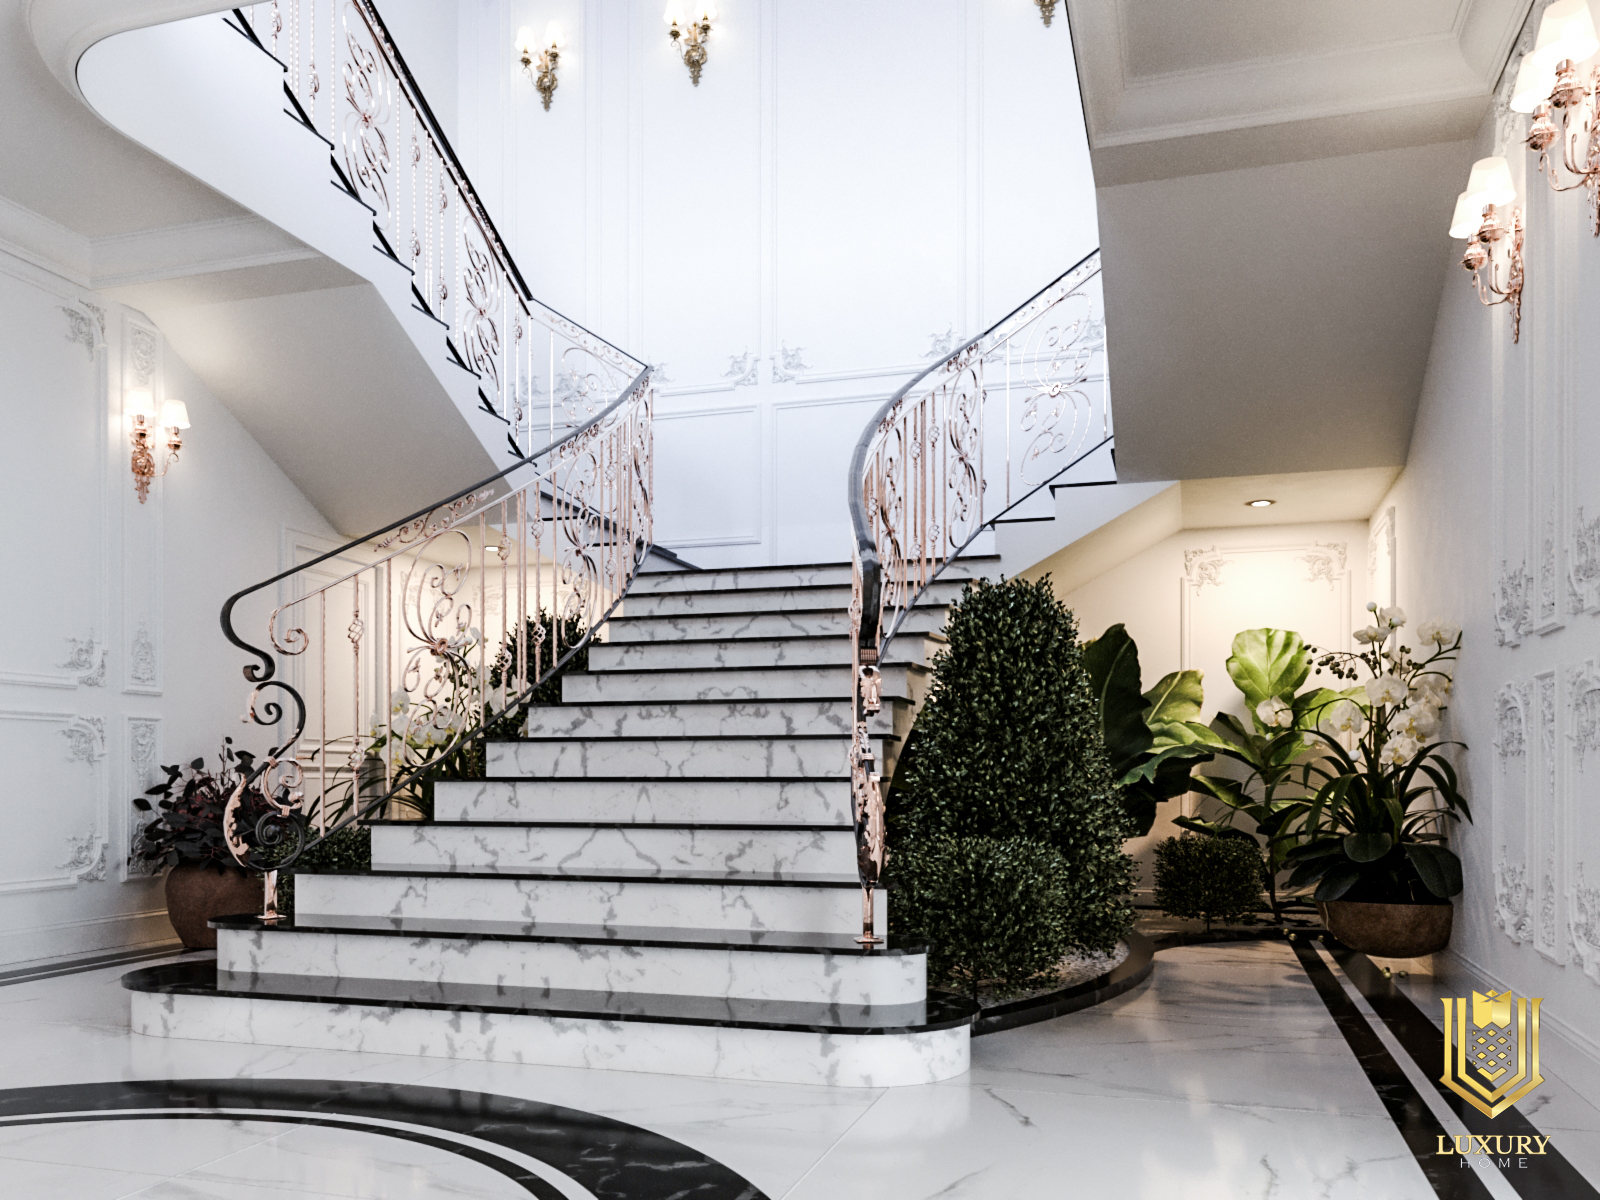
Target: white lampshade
point(704, 12)
point(554, 38)
point(525, 42)
point(674, 14)
point(1567, 31)
point(1468, 217)
point(139, 402)
point(175, 414)
point(1535, 77)
point(1490, 182)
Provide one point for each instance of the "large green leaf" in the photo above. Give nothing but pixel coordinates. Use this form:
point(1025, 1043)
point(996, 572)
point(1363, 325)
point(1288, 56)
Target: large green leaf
point(1267, 663)
point(1367, 847)
point(1440, 868)
point(1177, 697)
point(1112, 662)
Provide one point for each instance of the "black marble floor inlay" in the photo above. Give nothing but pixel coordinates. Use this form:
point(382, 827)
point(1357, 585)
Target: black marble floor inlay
point(939, 1011)
point(776, 940)
point(1548, 1176)
point(90, 962)
point(614, 1160)
point(1410, 1113)
point(814, 879)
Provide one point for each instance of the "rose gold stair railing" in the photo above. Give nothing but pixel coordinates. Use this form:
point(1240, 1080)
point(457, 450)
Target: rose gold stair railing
point(953, 451)
point(386, 663)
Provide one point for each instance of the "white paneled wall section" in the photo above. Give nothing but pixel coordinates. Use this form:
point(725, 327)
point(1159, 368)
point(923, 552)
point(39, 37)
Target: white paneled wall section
point(115, 663)
point(787, 259)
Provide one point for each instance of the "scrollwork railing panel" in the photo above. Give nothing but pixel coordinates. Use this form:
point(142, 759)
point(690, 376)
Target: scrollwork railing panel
point(954, 450)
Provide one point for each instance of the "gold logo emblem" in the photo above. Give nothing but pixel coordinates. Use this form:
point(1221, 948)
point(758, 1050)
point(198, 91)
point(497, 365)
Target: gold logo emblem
point(1491, 1061)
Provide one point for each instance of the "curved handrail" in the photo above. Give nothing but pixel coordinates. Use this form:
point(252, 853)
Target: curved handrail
point(919, 490)
point(549, 545)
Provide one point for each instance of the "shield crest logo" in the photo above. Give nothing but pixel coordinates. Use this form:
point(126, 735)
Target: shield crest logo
point(1491, 1054)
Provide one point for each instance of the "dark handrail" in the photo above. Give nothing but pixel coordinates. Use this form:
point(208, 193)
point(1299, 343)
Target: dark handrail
point(866, 544)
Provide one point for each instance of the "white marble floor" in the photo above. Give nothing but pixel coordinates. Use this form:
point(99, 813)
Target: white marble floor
point(1224, 1076)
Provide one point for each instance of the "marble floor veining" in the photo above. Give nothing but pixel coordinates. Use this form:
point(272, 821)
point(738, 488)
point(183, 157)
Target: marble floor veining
point(1223, 1076)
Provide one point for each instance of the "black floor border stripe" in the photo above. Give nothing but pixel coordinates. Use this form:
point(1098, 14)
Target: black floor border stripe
point(535, 1184)
point(1404, 1104)
point(74, 966)
point(1549, 1176)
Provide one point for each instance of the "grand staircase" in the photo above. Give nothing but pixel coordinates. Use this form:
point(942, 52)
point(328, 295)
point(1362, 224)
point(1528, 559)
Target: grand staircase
point(659, 876)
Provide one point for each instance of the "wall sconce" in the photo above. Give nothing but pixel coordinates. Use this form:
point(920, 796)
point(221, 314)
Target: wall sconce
point(1548, 80)
point(1479, 219)
point(146, 427)
point(1047, 10)
point(689, 34)
point(548, 52)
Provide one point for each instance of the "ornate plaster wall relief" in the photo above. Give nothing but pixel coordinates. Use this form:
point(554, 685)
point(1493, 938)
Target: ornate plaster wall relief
point(142, 659)
point(787, 363)
point(1381, 581)
point(1325, 563)
point(1546, 823)
point(142, 353)
point(1583, 708)
point(86, 739)
point(941, 344)
point(1549, 586)
point(82, 329)
point(1512, 898)
point(1511, 709)
point(1584, 924)
point(87, 657)
point(1203, 567)
point(143, 752)
point(1511, 615)
point(1583, 565)
point(742, 369)
point(86, 858)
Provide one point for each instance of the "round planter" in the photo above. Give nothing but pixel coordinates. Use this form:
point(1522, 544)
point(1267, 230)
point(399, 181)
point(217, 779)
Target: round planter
point(196, 894)
point(1389, 930)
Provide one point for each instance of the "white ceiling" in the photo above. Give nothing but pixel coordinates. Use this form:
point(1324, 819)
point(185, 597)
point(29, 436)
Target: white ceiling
point(1275, 180)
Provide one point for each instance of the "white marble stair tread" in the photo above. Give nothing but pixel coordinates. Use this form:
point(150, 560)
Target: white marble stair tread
point(752, 683)
point(769, 599)
point(792, 968)
point(723, 1039)
point(828, 622)
point(785, 575)
point(817, 757)
point(569, 846)
point(702, 718)
point(641, 801)
point(748, 652)
point(688, 899)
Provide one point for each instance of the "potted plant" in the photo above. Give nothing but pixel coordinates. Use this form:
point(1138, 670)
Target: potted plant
point(187, 836)
point(1371, 836)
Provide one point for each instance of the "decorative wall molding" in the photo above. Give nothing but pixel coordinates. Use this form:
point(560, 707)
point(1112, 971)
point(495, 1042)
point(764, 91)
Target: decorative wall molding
point(86, 739)
point(82, 330)
point(941, 344)
point(86, 858)
point(1325, 563)
point(144, 751)
point(1511, 720)
point(142, 657)
point(87, 658)
point(85, 744)
point(1546, 825)
point(1512, 899)
point(1511, 618)
point(742, 369)
point(1203, 567)
point(792, 363)
point(1382, 566)
point(1584, 924)
point(1583, 565)
point(1583, 708)
point(142, 345)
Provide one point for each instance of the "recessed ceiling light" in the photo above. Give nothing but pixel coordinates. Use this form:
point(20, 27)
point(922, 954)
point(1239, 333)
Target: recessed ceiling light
point(1260, 503)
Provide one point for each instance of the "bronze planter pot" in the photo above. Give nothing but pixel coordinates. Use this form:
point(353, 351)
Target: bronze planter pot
point(196, 894)
point(1389, 930)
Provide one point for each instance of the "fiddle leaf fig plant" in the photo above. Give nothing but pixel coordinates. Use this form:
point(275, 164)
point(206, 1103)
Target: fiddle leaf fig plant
point(1152, 737)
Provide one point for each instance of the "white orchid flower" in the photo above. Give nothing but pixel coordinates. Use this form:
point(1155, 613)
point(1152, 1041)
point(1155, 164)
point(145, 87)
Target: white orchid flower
point(1442, 633)
point(1344, 717)
point(1420, 720)
point(1398, 751)
point(399, 701)
point(1369, 634)
point(1275, 714)
point(1392, 617)
point(1387, 689)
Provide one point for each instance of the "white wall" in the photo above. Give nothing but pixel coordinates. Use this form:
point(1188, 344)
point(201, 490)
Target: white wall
point(1184, 598)
point(1495, 526)
point(850, 187)
point(115, 662)
point(426, 31)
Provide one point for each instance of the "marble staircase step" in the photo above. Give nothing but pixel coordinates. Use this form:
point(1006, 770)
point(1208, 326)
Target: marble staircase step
point(641, 801)
point(810, 902)
point(821, 622)
point(817, 968)
point(568, 846)
point(798, 757)
point(941, 592)
point(708, 718)
point(746, 652)
point(808, 574)
point(767, 1040)
point(752, 683)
